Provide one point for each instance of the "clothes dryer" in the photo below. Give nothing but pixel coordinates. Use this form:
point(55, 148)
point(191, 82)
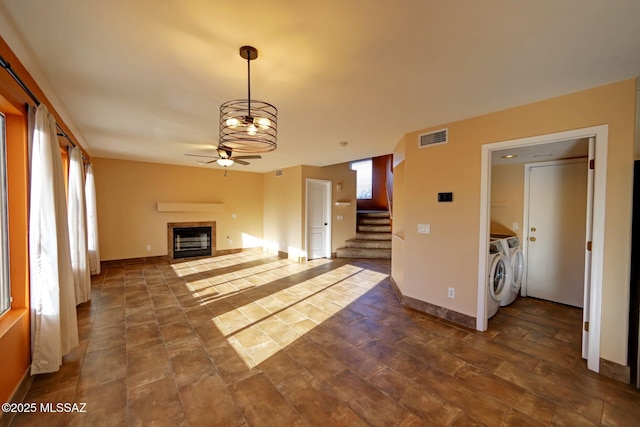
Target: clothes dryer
point(499, 280)
point(516, 261)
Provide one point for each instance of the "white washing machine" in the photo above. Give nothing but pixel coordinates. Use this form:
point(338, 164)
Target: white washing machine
point(516, 260)
point(499, 281)
point(503, 245)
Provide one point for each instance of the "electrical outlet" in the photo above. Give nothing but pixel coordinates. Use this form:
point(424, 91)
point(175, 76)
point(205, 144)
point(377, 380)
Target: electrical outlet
point(424, 228)
point(452, 292)
point(148, 248)
point(515, 226)
point(230, 242)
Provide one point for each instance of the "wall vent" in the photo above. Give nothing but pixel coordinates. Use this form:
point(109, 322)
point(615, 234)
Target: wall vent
point(279, 172)
point(433, 138)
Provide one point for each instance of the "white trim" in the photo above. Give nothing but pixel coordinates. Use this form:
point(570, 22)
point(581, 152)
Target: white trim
point(601, 135)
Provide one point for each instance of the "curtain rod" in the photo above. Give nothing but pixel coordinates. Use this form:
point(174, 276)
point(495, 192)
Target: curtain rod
point(5, 64)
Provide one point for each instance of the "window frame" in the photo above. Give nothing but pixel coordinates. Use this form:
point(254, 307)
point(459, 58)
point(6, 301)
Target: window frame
point(360, 178)
point(5, 267)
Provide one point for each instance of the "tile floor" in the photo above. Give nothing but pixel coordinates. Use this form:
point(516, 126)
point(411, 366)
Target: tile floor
point(250, 339)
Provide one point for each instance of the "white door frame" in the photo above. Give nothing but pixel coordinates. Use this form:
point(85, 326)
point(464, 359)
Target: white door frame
point(601, 135)
point(327, 205)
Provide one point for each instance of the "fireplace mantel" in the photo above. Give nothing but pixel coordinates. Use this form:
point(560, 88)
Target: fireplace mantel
point(189, 207)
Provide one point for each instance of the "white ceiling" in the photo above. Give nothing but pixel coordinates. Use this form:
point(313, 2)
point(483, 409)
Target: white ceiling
point(144, 79)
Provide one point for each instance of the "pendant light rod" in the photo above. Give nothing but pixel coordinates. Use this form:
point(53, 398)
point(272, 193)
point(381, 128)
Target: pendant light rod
point(249, 85)
point(249, 53)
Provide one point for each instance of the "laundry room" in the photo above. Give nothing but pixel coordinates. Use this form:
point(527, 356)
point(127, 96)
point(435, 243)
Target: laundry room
point(539, 195)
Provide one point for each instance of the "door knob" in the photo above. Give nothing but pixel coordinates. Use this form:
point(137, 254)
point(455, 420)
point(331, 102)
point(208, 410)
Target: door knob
point(533, 229)
point(533, 239)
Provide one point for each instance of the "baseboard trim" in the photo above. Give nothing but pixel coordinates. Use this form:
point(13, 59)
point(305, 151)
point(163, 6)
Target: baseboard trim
point(434, 310)
point(18, 396)
point(161, 258)
point(616, 371)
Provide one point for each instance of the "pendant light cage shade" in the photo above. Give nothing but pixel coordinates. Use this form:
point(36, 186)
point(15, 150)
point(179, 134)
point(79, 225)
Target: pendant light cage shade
point(248, 126)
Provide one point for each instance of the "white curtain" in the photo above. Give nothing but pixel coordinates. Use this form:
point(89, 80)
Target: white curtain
point(77, 215)
point(54, 328)
point(92, 222)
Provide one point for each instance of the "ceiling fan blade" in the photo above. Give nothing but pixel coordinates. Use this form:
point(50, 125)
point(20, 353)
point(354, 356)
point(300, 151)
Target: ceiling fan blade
point(254, 156)
point(240, 162)
point(211, 161)
point(200, 155)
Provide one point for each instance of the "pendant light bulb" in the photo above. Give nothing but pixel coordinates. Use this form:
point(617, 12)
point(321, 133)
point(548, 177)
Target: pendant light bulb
point(232, 122)
point(262, 122)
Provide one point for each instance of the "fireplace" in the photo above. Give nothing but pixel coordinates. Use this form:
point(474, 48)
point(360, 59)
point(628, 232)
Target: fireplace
point(191, 239)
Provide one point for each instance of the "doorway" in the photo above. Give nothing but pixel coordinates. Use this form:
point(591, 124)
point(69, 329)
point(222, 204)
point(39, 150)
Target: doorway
point(594, 293)
point(318, 218)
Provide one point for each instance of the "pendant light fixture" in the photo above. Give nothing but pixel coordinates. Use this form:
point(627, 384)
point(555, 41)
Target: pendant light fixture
point(248, 125)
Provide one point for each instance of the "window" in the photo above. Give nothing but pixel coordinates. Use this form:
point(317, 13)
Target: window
point(5, 286)
point(363, 178)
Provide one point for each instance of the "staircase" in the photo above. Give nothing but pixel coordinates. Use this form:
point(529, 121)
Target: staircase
point(373, 237)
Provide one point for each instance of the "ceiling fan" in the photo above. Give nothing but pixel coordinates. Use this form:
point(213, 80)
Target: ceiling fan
point(226, 158)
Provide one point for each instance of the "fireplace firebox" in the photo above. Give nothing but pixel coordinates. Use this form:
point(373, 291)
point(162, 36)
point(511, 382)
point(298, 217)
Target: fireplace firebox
point(191, 239)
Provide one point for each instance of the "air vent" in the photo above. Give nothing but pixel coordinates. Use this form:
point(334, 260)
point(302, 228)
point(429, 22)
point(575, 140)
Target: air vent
point(433, 138)
point(279, 172)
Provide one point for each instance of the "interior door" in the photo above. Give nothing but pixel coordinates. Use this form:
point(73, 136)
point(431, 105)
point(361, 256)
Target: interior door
point(557, 201)
point(318, 215)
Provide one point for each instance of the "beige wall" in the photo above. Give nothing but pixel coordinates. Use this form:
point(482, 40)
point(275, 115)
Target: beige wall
point(637, 152)
point(127, 194)
point(268, 208)
point(507, 198)
point(283, 210)
point(448, 257)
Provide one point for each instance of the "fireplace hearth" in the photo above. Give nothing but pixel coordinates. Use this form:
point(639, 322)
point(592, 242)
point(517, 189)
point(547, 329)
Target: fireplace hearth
point(191, 239)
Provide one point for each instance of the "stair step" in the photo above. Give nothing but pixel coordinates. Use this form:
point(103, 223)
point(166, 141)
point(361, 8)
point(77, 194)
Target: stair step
point(373, 236)
point(363, 253)
point(375, 228)
point(371, 214)
point(368, 243)
point(374, 221)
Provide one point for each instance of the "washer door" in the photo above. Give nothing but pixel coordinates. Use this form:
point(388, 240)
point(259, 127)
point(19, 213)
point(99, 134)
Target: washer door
point(517, 266)
point(500, 277)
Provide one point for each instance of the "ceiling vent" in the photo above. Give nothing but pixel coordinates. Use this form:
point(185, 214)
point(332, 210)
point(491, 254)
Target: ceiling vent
point(433, 138)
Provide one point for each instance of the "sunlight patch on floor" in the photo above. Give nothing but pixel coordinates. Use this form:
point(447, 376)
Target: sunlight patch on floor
point(259, 318)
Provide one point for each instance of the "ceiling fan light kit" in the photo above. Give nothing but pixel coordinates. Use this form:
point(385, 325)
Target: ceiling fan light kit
point(225, 158)
point(248, 125)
